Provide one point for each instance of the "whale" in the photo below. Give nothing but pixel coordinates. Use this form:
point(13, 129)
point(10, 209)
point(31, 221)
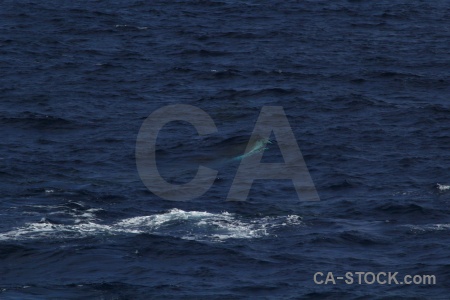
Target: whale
point(231, 150)
point(252, 147)
point(180, 165)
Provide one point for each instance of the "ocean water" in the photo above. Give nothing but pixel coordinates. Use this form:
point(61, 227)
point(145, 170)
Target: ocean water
point(365, 86)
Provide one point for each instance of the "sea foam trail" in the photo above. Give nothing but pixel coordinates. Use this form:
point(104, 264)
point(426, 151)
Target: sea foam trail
point(192, 225)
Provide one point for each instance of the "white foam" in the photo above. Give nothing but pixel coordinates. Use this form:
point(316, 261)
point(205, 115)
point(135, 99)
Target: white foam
point(191, 225)
point(429, 227)
point(130, 26)
point(442, 187)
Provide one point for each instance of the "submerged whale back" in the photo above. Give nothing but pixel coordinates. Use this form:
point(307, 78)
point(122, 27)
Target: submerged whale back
point(229, 150)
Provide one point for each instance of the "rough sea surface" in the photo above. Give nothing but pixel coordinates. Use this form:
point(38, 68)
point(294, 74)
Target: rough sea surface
point(365, 86)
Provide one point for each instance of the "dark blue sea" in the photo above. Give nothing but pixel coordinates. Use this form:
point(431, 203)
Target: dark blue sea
point(365, 86)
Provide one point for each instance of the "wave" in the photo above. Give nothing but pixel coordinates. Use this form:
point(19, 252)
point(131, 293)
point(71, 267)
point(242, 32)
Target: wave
point(35, 120)
point(442, 187)
point(189, 225)
point(428, 227)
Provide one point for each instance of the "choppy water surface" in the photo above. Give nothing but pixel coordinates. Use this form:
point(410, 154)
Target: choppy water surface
point(364, 84)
